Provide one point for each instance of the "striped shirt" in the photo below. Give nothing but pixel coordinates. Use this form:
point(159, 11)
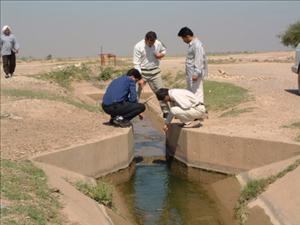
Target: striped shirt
point(144, 56)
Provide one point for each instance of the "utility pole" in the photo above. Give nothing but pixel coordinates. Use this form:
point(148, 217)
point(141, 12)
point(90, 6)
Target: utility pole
point(101, 56)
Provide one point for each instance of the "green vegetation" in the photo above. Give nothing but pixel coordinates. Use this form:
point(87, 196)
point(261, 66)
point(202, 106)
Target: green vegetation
point(291, 37)
point(30, 200)
point(254, 188)
point(65, 76)
point(174, 81)
point(29, 94)
point(111, 73)
point(229, 53)
point(25, 59)
point(295, 125)
point(222, 96)
point(218, 95)
point(100, 192)
point(236, 112)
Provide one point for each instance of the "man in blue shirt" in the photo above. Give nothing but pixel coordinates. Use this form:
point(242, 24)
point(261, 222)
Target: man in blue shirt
point(120, 99)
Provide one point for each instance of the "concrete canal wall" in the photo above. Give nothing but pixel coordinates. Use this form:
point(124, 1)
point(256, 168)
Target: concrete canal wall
point(94, 159)
point(227, 154)
point(87, 162)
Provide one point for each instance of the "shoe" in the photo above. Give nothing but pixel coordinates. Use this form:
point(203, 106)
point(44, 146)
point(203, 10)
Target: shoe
point(203, 116)
point(6, 75)
point(165, 115)
point(192, 124)
point(121, 122)
point(109, 123)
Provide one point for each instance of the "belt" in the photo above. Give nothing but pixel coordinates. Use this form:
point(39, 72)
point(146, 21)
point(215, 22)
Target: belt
point(200, 103)
point(149, 69)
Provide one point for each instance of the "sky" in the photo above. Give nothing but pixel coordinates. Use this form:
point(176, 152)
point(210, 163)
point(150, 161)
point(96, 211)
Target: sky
point(80, 28)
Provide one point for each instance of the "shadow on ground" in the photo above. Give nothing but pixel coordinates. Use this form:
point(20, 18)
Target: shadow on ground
point(292, 91)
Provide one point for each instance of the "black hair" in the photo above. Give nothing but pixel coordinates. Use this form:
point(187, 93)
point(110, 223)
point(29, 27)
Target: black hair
point(185, 31)
point(151, 36)
point(135, 73)
point(162, 93)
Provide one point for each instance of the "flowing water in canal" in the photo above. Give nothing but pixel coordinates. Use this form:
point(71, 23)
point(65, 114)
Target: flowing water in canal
point(156, 194)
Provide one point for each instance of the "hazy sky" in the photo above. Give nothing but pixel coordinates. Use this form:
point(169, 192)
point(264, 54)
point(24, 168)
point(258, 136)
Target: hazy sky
point(79, 28)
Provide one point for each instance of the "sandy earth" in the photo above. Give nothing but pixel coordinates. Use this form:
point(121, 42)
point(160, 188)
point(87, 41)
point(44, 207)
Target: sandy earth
point(29, 127)
point(32, 126)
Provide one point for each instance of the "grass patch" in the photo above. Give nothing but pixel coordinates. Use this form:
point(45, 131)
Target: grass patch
point(31, 201)
point(29, 94)
point(100, 192)
point(108, 73)
point(218, 96)
point(174, 81)
point(221, 95)
point(236, 112)
point(295, 125)
point(254, 188)
point(65, 76)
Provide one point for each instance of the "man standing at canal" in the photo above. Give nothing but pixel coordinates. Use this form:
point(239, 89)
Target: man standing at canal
point(9, 47)
point(195, 64)
point(146, 56)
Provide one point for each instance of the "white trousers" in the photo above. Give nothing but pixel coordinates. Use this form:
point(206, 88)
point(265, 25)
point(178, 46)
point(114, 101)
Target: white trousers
point(196, 87)
point(187, 115)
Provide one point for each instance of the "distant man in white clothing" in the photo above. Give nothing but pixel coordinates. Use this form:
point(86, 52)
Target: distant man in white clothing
point(184, 105)
point(195, 64)
point(146, 57)
point(9, 47)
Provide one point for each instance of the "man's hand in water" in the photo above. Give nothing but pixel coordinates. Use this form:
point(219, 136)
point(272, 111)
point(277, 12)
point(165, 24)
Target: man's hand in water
point(141, 116)
point(166, 128)
point(141, 83)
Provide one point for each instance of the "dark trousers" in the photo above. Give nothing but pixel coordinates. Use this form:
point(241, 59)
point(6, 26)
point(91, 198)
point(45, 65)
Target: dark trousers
point(128, 110)
point(9, 63)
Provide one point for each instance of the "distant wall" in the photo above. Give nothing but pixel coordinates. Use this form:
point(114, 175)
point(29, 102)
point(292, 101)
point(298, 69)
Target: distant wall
point(94, 159)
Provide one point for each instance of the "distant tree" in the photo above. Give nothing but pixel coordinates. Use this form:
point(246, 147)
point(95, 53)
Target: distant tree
point(49, 57)
point(291, 37)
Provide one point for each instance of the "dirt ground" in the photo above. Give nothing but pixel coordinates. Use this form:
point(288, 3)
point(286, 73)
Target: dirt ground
point(33, 126)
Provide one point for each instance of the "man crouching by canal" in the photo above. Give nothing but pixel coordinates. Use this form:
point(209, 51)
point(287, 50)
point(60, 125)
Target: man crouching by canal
point(184, 105)
point(120, 99)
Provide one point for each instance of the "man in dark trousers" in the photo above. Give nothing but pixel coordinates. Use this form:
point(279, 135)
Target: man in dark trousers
point(120, 99)
point(9, 47)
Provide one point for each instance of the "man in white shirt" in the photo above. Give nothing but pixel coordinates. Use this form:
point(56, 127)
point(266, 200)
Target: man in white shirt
point(146, 57)
point(9, 47)
point(195, 64)
point(184, 105)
